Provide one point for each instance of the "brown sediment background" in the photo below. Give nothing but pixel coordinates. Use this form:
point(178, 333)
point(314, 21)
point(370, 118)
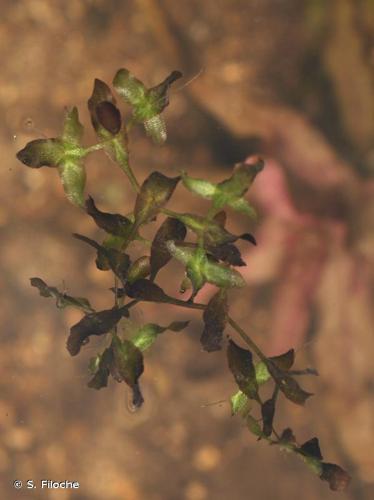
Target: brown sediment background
point(290, 80)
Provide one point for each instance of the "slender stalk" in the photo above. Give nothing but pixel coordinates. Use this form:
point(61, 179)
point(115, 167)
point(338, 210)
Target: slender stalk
point(146, 243)
point(95, 147)
point(116, 302)
point(244, 336)
point(131, 304)
point(116, 291)
point(121, 157)
point(129, 238)
point(212, 212)
point(169, 213)
point(130, 124)
point(123, 161)
point(247, 339)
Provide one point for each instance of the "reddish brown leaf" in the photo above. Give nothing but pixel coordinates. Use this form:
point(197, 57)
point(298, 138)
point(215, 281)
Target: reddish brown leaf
point(98, 323)
point(154, 194)
point(215, 317)
point(170, 229)
point(267, 412)
point(337, 477)
point(241, 366)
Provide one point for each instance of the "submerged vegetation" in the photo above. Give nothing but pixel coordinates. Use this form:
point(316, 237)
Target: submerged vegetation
point(200, 242)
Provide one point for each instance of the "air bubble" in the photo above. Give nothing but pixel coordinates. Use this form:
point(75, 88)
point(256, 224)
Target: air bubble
point(28, 123)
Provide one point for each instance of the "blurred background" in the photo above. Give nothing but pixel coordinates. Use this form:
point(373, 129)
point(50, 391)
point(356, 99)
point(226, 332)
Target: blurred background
point(291, 80)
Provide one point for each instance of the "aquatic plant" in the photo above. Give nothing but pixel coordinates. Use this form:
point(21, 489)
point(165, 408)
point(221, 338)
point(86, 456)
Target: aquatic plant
point(209, 255)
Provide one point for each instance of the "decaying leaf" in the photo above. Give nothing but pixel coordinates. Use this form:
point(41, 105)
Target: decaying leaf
point(170, 229)
point(111, 223)
point(282, 362)
point(108, 258)
point(154, 194)
point(267, 412)
point(139, 269)
point(100, 378)
point(42, 153)
point(312, 449)
point(62, 299)
point(98, 323)
point(241, 366)
point(228, 253)
point(105, 116)
point(109, 116)
point(290, 388)
point(287, 438)
point(144, 289)
point(215, 318)
point(159, 93)
point(337, 477)
point(107, 122)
